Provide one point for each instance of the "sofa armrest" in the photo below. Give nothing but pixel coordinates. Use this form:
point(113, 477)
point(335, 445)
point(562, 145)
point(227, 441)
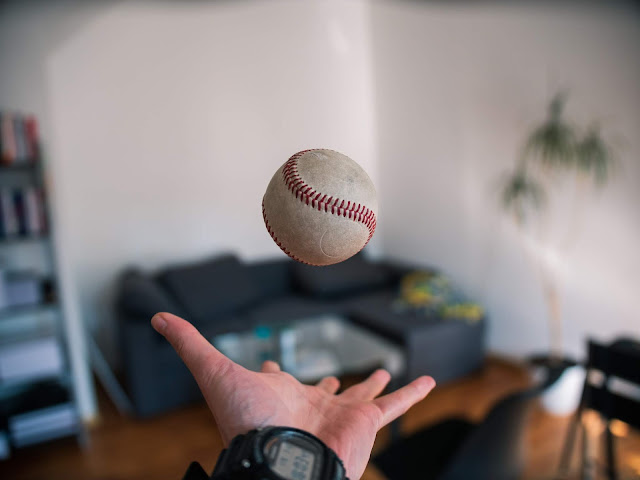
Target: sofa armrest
point(139, 297)
point(155, 377)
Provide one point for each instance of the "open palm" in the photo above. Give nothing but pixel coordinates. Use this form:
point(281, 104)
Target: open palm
point(242, 400)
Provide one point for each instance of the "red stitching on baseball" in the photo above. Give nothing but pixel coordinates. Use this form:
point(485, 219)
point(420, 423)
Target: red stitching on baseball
point(305, 193)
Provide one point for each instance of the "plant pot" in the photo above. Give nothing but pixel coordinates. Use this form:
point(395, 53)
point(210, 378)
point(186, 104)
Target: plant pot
point(565, 379)
point(563, 397)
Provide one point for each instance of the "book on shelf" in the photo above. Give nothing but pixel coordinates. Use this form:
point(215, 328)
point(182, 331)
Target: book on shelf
point(21, 288)
point(31, 126)
point(43, 424)
point(7, 139)
point(34, 211)
point(21, 142)
point(18, 139)
point(30, 359)
point(40, 412)
point(22, 212)
point(8, 213)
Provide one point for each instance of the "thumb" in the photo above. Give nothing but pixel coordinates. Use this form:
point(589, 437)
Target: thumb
point(200, 357)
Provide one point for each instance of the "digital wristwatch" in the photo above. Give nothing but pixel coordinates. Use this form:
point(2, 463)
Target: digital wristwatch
point(274, 453)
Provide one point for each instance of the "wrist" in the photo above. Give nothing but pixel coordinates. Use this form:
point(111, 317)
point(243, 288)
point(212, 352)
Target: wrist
point(277, 453)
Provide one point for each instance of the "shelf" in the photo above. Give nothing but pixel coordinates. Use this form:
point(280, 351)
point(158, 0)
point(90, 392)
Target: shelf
point(19, 167)
point(39, 412)
point(10, 388)
point(28, 309)
point(68, 431)
point(30, 404)
point(24, 239)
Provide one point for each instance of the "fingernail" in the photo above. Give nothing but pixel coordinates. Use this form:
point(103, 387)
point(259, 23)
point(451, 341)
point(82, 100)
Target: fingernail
point(159, 323)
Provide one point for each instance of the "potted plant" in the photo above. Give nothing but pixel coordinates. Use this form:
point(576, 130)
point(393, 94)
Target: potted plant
point(544, 195)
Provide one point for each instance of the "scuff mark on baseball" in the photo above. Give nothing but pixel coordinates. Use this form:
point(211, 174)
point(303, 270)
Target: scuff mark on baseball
point(320, 207)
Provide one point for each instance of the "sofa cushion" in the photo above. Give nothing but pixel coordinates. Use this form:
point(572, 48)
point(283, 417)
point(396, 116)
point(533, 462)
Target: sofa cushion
point(291, 308)
point(346, 278)
point(273, 277)
point(140, 297)
point(211, 288)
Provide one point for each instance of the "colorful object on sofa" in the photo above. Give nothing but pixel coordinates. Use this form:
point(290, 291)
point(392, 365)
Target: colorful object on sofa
point(431, 292)
point(466, 310)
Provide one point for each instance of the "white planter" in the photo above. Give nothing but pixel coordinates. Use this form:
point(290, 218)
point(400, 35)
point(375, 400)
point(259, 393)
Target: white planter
point(563, 397)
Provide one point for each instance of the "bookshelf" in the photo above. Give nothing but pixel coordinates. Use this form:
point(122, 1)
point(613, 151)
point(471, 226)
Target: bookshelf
point(37, 395)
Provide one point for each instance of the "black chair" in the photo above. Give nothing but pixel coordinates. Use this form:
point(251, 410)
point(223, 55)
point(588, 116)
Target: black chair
point(457, 449)
point(618, 360)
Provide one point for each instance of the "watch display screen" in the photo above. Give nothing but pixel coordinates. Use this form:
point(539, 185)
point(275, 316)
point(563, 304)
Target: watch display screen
point(292, 461)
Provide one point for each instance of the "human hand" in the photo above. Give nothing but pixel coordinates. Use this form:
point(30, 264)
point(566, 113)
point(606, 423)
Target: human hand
point(242, 400)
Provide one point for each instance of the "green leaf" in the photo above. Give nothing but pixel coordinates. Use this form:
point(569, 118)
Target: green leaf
point(522, 195)
point(594, 157)
point(553, 144)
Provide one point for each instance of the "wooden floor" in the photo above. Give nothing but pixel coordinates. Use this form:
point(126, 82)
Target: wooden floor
point(161, 449)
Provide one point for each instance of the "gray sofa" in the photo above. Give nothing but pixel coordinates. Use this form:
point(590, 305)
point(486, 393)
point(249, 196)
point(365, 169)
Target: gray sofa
point(223, 294)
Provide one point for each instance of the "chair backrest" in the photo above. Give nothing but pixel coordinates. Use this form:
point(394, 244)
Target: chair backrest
point(618, 361)
point(493, 451)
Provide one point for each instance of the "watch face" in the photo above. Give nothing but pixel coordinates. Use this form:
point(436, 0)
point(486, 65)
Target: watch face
point(293, 462)
point(293, 457)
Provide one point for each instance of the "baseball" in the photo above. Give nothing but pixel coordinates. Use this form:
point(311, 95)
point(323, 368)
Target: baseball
point(320, 207)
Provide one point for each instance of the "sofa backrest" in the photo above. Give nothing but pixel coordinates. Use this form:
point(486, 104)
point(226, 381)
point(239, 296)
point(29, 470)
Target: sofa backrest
point(220, 286)
point(352, 276)
point(211, 288)
point(273, 277)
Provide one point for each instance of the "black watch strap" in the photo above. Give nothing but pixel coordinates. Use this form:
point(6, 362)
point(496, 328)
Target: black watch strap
point(236, 454)
point(240, 460)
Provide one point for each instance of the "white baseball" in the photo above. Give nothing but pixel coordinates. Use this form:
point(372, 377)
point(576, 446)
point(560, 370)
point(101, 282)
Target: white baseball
point(320, 207)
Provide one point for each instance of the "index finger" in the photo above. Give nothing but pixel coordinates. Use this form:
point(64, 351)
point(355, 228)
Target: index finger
point(397, 403)
point(200, 357)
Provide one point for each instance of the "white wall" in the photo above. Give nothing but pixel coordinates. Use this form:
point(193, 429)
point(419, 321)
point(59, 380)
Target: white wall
point(458, 89)
point(169, 119)
point(165, 121)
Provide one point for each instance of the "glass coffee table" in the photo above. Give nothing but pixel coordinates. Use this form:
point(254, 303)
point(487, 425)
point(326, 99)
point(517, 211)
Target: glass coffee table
point(313, 348)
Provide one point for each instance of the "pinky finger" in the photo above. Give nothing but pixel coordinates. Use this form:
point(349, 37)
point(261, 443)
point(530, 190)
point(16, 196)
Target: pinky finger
point(397, 403)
